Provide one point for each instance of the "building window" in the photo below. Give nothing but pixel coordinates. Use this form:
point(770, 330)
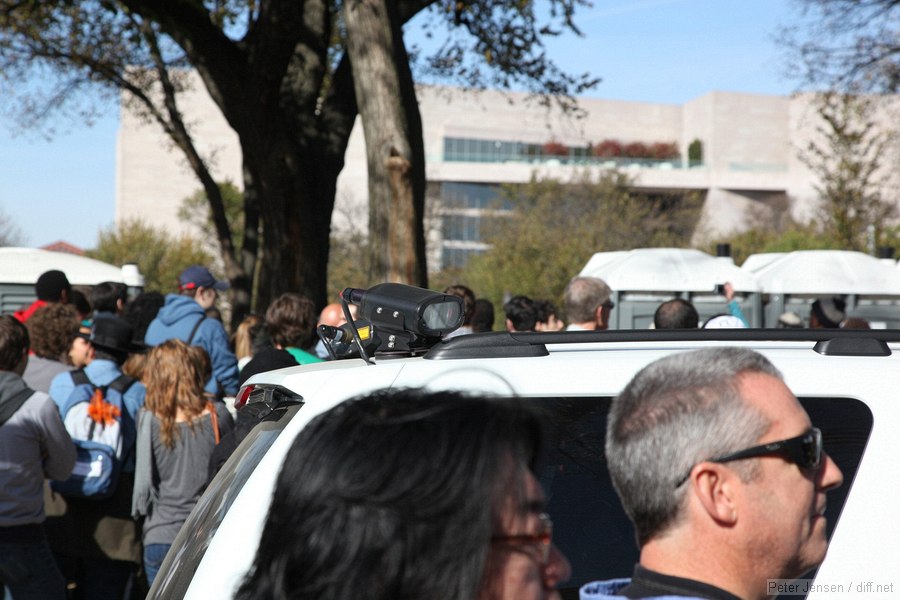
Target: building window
point(462, 207)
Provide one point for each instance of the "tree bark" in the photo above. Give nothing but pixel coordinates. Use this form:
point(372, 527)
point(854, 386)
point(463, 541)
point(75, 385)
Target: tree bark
point(293, 124)
point(394, 146)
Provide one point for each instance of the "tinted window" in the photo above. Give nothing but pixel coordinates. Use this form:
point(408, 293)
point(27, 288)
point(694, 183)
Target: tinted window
point(591, 527)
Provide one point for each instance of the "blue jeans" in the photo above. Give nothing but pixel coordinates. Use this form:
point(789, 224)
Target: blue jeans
point(28, 572)
point(153, 558)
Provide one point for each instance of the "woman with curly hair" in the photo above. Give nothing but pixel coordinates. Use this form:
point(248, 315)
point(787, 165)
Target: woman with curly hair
point(178, 430)
point(53, 329)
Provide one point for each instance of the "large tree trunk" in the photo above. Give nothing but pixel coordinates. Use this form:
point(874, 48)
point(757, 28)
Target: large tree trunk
point(294, 160)
point(293, 116)
point(394, 146)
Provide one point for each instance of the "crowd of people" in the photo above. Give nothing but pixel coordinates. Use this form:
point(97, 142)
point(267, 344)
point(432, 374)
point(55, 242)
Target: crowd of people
point(160, 367)
point(589, 304)
point(154, 369)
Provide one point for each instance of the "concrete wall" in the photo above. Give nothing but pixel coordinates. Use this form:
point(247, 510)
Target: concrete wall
point(750, 144)
point(153, 178)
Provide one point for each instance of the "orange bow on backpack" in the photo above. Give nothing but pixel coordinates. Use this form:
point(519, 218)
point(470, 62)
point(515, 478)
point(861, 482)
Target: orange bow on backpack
point(101, 411)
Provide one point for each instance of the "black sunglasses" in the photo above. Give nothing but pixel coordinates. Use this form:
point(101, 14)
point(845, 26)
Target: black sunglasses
point(804, 451)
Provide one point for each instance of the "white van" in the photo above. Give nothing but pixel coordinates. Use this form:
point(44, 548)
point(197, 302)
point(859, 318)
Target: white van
point(21, 267)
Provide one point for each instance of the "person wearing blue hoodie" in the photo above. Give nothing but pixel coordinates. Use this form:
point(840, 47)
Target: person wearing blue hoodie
point(183, 316)
point(723, 476)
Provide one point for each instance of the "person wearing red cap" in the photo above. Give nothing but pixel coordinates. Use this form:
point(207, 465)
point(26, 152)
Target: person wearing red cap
point(183, 317)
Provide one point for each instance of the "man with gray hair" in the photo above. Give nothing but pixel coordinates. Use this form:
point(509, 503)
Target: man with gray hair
point(588, 304)
point(722, 474)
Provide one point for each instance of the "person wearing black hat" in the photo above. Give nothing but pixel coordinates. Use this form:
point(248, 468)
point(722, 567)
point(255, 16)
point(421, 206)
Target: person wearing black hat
point(96, 541)
point(184, 317)
point(51, 286)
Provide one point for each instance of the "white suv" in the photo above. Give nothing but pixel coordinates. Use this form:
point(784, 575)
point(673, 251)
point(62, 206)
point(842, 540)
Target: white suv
point(847, 380)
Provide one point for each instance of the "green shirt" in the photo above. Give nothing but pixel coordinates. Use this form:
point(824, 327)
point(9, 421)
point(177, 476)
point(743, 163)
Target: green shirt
point(302, 357)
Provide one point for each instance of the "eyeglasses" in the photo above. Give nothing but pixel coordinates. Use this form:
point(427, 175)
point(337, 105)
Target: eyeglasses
point(804, 451)
point(609, 304)
point(540, 540)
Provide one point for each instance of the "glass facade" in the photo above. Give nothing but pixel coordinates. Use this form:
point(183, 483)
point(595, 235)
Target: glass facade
point(458, 257)
point(462, 206)
point(480, 196)
point(471, 150)
point(494, 151)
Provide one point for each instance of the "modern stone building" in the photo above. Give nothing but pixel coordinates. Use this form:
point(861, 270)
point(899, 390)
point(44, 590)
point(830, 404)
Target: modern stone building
point(476, 141)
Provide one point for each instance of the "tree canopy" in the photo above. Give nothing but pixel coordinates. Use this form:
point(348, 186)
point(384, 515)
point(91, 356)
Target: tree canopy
point(160, 256)
point(848, 161)
point(10, 232)
point(849, 45)
point(280, 72)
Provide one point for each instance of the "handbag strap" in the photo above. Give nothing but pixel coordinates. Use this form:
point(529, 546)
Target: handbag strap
point(214, 417)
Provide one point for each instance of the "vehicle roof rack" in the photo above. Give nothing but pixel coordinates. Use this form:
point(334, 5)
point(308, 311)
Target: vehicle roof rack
point(830, 342)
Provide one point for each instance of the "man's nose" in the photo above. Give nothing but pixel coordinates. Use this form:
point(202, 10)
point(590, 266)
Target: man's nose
point(831, 476)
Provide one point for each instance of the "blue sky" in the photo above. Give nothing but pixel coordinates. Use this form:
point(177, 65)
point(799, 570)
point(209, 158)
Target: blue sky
point(666, 51)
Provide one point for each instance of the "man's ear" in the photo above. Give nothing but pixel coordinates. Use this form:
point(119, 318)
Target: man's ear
point(598, 317)
point(716, 487)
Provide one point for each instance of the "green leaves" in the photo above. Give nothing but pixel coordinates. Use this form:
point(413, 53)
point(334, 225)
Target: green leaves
point(555, 227)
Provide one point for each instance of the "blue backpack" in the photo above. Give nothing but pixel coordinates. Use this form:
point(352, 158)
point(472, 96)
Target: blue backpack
point(93, 417)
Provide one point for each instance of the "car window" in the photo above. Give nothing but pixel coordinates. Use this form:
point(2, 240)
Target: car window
point(589, 524)
point(196, 534)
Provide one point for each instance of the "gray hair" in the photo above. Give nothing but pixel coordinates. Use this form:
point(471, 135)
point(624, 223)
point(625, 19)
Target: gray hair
point(583, 296)
point(676, 412)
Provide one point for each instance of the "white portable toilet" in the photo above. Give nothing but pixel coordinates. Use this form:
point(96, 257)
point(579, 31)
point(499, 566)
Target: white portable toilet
point(644, 278)
point(793, 281)
point(21, 267)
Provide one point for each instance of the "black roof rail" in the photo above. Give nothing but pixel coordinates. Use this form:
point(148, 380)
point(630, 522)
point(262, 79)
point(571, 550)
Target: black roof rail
point(831, 342)
point(853, 346)
point(494, 344)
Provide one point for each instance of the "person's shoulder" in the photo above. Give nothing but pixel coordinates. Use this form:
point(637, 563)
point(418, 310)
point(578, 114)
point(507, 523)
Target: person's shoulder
point(600, 590)
point(40, 406)
point(136, 389)
point(213, 330)
point(61, 386)
point(63, 378)
point(303, 357)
